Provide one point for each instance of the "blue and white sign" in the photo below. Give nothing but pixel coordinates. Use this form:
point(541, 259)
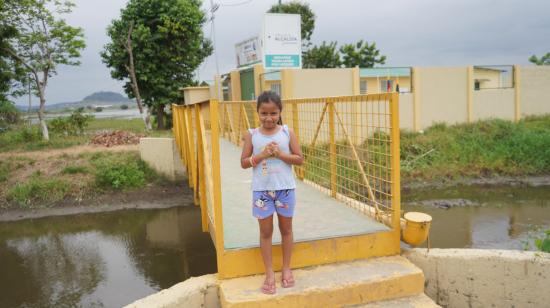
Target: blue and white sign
point(282, 41)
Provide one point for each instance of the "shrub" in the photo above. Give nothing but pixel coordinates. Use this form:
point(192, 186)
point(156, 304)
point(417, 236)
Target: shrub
point(38, 191)
point(71, 125)
point(120, 171)
point(98, 109)
point(8, 113)
point(124, 107)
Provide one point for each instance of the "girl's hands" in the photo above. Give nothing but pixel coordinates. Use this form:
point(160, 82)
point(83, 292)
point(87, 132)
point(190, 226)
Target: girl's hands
point(270, 150)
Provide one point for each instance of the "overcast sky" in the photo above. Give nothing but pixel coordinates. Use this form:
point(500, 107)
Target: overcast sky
point(409, 33)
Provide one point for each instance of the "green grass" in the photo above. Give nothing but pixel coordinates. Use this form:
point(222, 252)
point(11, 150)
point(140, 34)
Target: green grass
point(37, 190)
point(23, 138)
point(481, 149)
point(72, 169)
point(484, 148)
point(122, 171)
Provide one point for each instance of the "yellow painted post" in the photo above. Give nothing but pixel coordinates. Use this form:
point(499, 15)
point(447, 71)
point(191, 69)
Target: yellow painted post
point(193, 148)
point(189, 146)
point(217, 198)
point(355, 118)
point(395, 168)
point(469, 92)
point(517, 93)
point(258, 80)
point(183, 140)
point(332, 140)
point(235, 85)
point(296, 129)
point(202, 179)
point(287, 88)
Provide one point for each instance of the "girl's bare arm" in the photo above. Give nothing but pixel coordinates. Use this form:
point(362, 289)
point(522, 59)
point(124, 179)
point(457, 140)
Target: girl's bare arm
point(295, 157)
point(247, 151)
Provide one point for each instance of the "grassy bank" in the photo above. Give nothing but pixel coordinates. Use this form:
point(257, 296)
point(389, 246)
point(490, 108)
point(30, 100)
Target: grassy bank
point(481, 149)
point(25, 138)
point(29, 183)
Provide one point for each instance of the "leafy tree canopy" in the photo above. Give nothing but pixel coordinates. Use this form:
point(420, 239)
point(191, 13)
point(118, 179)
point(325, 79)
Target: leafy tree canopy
point(168, 46)
point(39, 40)
point(543, 60)
point(361, 54)
point(306, 14)
point(323, 56)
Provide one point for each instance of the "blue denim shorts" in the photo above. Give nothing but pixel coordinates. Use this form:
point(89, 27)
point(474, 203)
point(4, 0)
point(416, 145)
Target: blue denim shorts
point(265, 203)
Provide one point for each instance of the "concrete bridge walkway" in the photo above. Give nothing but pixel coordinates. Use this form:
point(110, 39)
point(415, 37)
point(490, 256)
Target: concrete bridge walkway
point(317, 215)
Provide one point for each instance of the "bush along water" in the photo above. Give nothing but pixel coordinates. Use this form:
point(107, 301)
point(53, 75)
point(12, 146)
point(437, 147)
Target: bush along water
point(75, 124)
point(484, 148)
point(121, 171)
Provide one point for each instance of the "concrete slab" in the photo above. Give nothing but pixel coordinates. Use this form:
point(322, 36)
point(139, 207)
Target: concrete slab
point(416, 301)
point(333, 285)
point(317, 215)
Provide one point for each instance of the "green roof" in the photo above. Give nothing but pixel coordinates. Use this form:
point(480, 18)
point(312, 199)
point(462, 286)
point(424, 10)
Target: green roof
point(385, 72)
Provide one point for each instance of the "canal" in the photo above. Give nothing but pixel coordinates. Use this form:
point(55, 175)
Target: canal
point(111, 259)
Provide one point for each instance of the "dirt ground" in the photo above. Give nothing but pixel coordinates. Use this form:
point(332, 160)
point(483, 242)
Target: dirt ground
point(153, 196)
point(49, 162)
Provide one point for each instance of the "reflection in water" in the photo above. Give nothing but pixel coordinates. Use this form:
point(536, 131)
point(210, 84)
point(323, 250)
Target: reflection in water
point(108, 259)
point(504, 217)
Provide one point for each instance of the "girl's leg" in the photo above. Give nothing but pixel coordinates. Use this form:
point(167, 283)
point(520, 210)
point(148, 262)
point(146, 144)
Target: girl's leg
point(266, 233)
point(285, 225)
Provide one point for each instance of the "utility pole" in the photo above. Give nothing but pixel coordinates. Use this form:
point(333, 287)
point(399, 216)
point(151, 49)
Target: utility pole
point(213, 9)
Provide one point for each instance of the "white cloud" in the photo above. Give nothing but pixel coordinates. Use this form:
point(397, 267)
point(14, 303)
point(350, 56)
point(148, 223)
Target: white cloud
point(419, 32)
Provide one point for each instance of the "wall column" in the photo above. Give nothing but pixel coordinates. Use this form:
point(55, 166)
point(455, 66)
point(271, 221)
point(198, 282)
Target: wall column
point(517, 92)
point(355, 119)
point(287, 84)
point(416, 98)
point(469, 93)
point(235, 85)
point(259, 79)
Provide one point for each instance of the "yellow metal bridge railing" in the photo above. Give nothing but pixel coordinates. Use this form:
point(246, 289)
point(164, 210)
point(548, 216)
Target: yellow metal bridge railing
point(350, 144)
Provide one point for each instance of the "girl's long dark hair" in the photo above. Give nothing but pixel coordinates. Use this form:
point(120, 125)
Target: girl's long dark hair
point(270, 96)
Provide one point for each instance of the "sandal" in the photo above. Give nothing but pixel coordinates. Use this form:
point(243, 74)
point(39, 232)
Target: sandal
point(287, 282)
point(268, 288)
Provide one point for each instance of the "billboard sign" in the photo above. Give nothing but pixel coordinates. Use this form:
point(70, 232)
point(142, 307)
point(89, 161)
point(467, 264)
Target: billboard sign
point(282, 41)
point(248, 52)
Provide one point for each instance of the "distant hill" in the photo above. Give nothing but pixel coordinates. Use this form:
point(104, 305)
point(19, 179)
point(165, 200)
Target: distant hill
point(101, 98)
point(106, 96)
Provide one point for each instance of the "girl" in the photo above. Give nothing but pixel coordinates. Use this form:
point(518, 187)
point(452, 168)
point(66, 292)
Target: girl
point(270, 150)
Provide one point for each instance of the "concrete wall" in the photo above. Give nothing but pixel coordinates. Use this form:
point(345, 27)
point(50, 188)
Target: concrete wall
point(493, 103)
point(534, 90)
point(320, 82)
point(406, 116)
point(194, 292)
point(442, 95)
point(484, 278)
point(162, 155)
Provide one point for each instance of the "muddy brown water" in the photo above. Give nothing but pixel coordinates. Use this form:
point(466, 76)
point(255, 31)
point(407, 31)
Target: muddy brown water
point(483, 216)
point(112, 259)
point(101, 260)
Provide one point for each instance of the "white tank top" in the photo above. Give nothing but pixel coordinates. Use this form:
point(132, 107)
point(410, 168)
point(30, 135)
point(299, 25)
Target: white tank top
point(272, 173)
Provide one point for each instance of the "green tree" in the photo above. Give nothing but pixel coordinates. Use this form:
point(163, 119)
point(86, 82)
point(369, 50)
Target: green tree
point(11, 72)
point(42, 41)
point(306, 16)
point(163, 41)
point(322, 56)
point(361, 54)
point(543, 60)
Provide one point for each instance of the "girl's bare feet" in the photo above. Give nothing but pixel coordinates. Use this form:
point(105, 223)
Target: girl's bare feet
point(287, 280)
point(269, 284)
